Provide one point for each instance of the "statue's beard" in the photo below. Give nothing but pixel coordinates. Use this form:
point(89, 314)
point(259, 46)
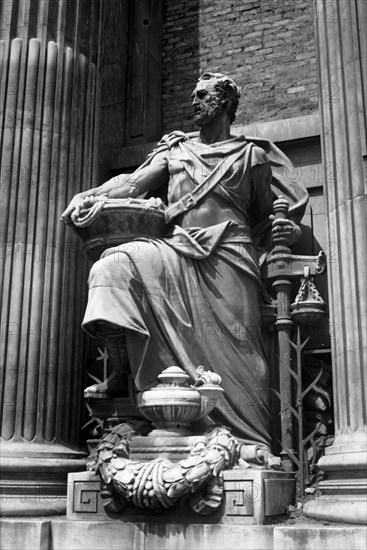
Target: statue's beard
point(205, 112)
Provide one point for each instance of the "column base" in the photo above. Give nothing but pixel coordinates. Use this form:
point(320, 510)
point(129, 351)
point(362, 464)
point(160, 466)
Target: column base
point(344, 492)
point(33, 479)
point(338, 509)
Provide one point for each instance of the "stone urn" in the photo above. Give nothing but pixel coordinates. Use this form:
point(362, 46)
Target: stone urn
point(174, 404)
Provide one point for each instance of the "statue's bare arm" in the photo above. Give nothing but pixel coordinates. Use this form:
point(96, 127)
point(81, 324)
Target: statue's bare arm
point(124, 186)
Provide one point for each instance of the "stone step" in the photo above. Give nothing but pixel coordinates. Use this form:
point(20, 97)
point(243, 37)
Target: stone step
point(62, 534)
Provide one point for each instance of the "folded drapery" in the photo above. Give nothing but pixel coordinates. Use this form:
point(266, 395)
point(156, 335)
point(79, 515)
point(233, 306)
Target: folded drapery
point(190, 299)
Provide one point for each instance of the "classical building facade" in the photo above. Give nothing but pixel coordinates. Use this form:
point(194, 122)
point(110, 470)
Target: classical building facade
point(87, 88)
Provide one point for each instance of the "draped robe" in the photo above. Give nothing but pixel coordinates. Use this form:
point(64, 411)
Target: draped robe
point(192, 297)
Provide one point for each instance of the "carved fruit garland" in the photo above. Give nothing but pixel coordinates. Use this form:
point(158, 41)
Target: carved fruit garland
point(160, 483)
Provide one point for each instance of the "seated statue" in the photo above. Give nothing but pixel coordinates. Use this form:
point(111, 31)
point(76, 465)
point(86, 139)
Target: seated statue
point(192, 297)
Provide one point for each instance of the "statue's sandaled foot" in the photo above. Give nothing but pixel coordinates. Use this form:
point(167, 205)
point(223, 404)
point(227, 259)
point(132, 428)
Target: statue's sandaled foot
point(115, 385)
point(96, 390)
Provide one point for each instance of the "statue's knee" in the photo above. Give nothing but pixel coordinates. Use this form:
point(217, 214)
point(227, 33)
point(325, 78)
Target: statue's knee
point(97, 269)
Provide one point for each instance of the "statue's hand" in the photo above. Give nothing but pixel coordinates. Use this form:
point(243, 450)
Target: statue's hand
point(156, 202)
point(74, 207)
point(78, 202)
point(285, 230)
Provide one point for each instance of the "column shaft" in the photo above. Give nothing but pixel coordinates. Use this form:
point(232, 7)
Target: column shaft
point(48, 57)
point(342, 52)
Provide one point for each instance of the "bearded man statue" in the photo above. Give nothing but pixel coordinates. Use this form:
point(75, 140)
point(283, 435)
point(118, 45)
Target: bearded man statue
point(192, 297)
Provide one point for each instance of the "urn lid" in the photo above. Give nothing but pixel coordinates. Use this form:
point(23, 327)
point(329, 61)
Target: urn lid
point(174, 376)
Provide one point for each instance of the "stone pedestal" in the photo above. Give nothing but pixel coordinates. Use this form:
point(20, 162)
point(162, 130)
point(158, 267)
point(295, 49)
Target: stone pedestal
point(342, 46)
point(250, 497)
point(48, 60)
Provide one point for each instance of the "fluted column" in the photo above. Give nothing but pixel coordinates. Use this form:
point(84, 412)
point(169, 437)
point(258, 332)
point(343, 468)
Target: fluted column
point(48, 61)
point(342, 54)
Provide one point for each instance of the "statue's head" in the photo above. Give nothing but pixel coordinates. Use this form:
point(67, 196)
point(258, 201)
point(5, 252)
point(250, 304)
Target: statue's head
point(215, 92)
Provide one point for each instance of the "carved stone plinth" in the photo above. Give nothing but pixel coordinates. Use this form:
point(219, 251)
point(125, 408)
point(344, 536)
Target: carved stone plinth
point(151, 447)
point(251, 496)
point(173, 448)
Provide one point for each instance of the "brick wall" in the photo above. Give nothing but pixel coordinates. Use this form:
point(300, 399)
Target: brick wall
point(267, 46)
